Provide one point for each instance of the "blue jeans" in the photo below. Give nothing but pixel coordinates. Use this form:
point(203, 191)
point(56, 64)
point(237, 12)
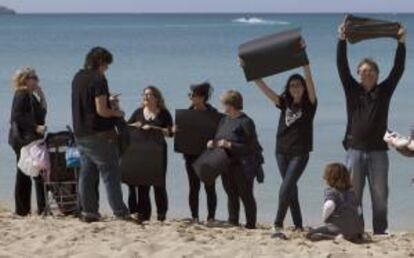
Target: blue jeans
point(291, 168)
point(99, 156)
point(374, 166)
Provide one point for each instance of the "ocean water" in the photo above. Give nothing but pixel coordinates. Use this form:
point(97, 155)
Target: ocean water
point(174, 51)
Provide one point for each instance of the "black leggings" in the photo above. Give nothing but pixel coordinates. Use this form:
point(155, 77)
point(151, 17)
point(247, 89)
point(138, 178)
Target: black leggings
point(23, 192)
point(193, 198)
point(141, 204)
point(238, 186)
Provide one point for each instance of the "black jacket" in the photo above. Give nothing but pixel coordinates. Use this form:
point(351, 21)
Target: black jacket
point(26, 114)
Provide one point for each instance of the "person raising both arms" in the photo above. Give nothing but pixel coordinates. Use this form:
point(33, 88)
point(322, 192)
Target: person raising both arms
point(294, 139)
point(367, 105)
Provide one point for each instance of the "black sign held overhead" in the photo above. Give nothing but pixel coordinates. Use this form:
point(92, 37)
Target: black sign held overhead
point(195, 129)
point(143, 162)
point(360, 28)
point(272, 54)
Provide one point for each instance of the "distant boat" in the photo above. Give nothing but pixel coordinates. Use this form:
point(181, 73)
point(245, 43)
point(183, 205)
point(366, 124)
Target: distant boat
point(5, 10)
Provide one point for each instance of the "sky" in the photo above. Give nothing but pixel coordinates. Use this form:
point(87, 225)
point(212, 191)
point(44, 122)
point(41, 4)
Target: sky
point(245, 6)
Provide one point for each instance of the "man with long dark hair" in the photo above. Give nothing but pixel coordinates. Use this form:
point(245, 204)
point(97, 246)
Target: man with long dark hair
point(94, 127)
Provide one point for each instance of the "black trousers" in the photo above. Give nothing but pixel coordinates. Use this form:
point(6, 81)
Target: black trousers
point(193, 198)
point(139, 201)
point(23, 192)
point(237, 186)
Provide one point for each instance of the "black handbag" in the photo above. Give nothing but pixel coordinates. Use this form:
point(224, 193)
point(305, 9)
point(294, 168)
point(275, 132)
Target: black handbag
point(210, 164)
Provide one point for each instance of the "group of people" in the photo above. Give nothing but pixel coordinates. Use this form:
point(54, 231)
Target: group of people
point(97, 120)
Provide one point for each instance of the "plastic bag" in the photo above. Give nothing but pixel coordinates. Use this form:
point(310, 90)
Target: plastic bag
point(40, 156)
point(26, 162)
point(72, 157)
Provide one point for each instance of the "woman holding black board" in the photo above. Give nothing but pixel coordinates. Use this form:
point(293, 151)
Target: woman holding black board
point(153, 118)
point(199, 96)
point(294, 139)
point(236, 134)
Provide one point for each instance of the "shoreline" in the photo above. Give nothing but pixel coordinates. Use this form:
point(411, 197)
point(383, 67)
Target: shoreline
point(35, 236)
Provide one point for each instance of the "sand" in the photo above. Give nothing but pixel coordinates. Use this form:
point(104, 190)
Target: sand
point(36, 236)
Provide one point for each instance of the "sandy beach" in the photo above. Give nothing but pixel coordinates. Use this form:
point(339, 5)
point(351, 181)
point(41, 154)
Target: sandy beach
point(35, 236)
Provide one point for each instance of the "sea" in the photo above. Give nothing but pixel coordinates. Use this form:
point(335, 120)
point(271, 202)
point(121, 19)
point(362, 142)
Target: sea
point(173, 51)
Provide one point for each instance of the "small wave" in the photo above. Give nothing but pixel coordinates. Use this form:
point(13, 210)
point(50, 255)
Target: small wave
point(256, 20)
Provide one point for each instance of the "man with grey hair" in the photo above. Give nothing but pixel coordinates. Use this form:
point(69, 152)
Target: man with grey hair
point(367, 103)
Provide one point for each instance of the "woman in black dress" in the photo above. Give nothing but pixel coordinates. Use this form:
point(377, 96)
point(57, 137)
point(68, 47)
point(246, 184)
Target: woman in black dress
point(27, 121)
point(154, 118)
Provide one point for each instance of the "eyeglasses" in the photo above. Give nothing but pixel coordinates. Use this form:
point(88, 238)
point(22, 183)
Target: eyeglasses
point(192, 95)
point(148, 95)
point(32, 77)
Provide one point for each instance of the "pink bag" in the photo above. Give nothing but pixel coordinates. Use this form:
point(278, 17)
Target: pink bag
point(40, 156)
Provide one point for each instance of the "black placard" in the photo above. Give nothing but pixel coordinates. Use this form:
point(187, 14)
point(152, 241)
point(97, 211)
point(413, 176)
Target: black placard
point(272, 54)
point(361, 28)
point(195, 129)
point(143, 162)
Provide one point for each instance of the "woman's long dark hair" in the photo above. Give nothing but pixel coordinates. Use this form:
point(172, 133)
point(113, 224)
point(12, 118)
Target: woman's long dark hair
point(158, 95)
point(286, 94)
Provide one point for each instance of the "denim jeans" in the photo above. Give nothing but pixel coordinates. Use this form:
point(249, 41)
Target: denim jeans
point(99, 156)
point(291, 168)
point(374, 166)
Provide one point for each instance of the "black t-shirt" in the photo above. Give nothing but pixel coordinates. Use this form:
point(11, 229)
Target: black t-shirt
point(295, 130)
point(86, 86)
point(368, 111)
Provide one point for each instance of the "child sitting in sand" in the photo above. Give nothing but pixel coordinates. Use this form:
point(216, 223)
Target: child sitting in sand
point(341, 211)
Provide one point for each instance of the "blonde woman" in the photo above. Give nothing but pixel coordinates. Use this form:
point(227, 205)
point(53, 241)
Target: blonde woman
point(236, 134)
point(27, 121)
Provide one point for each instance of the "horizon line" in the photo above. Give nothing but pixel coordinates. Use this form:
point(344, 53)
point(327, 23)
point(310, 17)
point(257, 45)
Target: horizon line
point(238, 12)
